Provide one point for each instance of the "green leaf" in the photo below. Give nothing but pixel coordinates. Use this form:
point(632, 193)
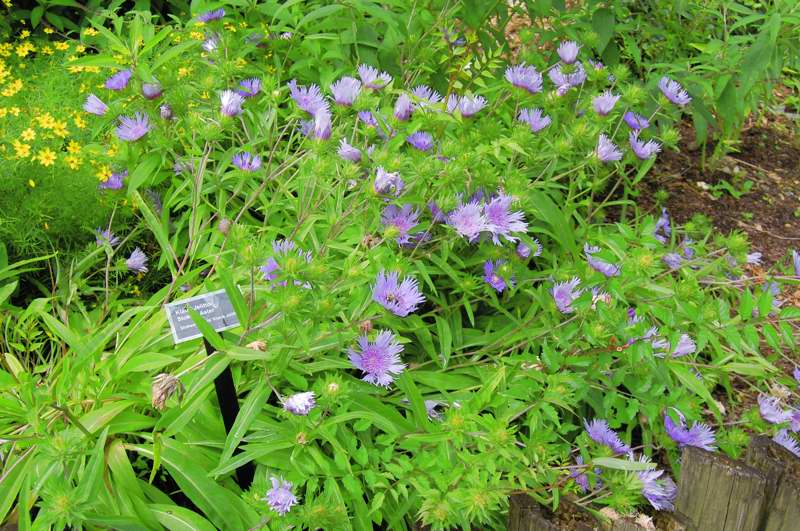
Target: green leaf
point(13, 474)
point(36, 15)
point(92, 478)
point(235, 295)
point(7, 290)
point(144, 171)
point(691, 381)
point(247, 414)
point(622, 464)
point(177, 518)
point(406, 384)
point(603, 25)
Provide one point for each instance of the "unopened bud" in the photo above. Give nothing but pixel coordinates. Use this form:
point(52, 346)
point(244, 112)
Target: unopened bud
point(224, 226)
point(164, 386)
point(257, 345)
point(365, 326)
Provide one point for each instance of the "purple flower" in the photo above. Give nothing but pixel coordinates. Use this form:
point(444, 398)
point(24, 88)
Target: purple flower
point(607, 151)
point(568, 51)
point(796, 374)
point(249, 87)
point(246, 161)
point(367, 118)
point(380, 360)
point(346, 90)
point(152, 91)
point(787, 441)
point(534, 118)
point(753, 258)
point(119, 80)
point(348, 152)
point(643, 150)
point(684, 347)
point(470, 105)
point(637, 122)
point(94, 105)
point(493, 279)
point(699, 435)
point(403, 107)
point(132, 129)
point(525, 77)
point(115, 182)
point(309, 98)
point(673, 91)
point(420, 140)
point(400, 298)
point(280, 497)
point(103, 236)
point(231, 103)
point(565, 293)
point(601, 266)
point(599, 432)
point(437, 213)
point(564, 81)
point(796, 262)
point(282, 248)
point(208, 16)
point(662, 225)
point(501, 221)
point(771, 410)
point(372, 78)
point(468, 220)
point(673, 260)
point(137, 261)
point(299, 403)
point(401, 219)
point(165, 111)
point(388, 182)
point(212, 42)
point(580, 476)
point(430, 409)
point(604, 103)
point(659, 491)
point(319, 127)
point(688, 252)
point(524, 250)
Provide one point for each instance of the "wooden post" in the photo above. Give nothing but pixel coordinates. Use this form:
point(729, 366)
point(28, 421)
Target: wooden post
point(717, 493)
point(782, 470)
point(524, 514)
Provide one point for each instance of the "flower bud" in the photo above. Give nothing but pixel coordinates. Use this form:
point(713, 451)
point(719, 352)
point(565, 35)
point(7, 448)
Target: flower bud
point(224, 226)
point(152, 91)
point(164, 386)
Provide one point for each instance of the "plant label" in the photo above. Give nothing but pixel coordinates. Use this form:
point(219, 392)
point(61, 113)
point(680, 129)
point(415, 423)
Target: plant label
point(214, 307)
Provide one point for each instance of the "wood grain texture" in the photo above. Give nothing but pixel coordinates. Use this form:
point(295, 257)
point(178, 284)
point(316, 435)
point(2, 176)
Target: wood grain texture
point(782, 470)
point(524, 514)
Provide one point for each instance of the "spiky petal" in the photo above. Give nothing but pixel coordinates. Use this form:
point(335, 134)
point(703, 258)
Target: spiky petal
point(380, 360)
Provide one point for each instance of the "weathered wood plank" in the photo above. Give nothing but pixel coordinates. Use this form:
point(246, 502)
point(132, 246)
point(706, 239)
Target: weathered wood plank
point(718, 493)
point(782, 470)
point(524, 514)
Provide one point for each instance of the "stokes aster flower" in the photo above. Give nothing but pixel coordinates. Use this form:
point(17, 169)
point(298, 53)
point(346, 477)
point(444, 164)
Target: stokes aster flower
point(137, 262)
point(403, 107)
point(534, 118)
point(524, 77)
point(373, 79)
point(470, 105)
point(94, 105)
point(309, 99)
point(524, 250)
point(165, 111)
point(787, 441)
point(103, 236)
point(599, 432)
point(388, 182)
point(637, 122)
point(280, 497)
point(501, 221)
point(468, 220)
point(115, 182)
point(796, 262)
point(491, 276)
point(212, 42)
point(152, 91)
point(605, 102)
point(348, 152)
point(346, 90)
point(282, 248)
point(659, 491)
point(400, 298)
point(580, 476)
point(426, 96)
point(643, 150)
point(564, 80)
point(601, 266)
point(231, 103)
point(771, 410)
point(565, 293)
point(208, 16)
point(673, 91)
point(699, 435)
point(400, 219)
point(420, 140)
point(299, 403)
point(249, 87)
point(246, 161)
point(673, 260)
point(684, 347)
point(133, 128)
point(119, 80)
point(568, 51)
point(663, 230)
point(606, 150)
point(379, 361)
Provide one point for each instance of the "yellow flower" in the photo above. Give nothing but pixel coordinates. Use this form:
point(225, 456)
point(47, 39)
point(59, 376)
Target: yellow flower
point(12, 88)
point(103, 173)
point(112, 150)
point(177, 39)
point(73, 161)
point(28, 134)
point(46, 157)
point(74, 69)
point(46, 121)
point(80, 48)
point(24, 48)
point(3, 112)
point(21, 150)
point(31, 183)
point(90, 32)
point(15, 110)
point(47, 50)
point(79, 122)
point(48, 30)
point(73, 147)
point(196, 35)
point(63, 45)
point(46, 226)
point(60, 129)
point(5, 49)
point(184, 72)
point(91, 69)
point(24, 34)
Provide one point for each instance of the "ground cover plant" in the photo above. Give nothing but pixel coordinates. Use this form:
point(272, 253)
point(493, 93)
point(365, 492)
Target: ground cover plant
point(435, 313)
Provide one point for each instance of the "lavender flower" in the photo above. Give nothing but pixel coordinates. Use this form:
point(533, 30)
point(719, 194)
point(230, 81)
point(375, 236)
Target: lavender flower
point(380, 360)
point(299, 403)
point(119, 80)
point(309, 98)
point(637, 122)
point(426, 96)
point(699, 435)
point(599, 432)
point(94, 105)
point(607, 151)
point(564, 81)
point(401, 219)
point(673, 260)
point(403, 107)
point(420, 140)
point(753, 258)
point(165, 111)
point(152, 91)
point(437, 213)
point(208, 16)
point(524, 250)
point(601, 266)
point(568, 51)
point(470, 105)
point(673, 91)
point(231, 103)
point(501, 221)
point(787, 441)
point(249, 87)
point(430, 409)
point(137, 262)
point(771, 410)
point(604, 103)
point(534, 118)
point(468, 220)
point(493, 279)
point(662, 226)
point(643, 150)
point(282, 248)
point(400, 298)
point(525, 77)
point(280, 497)
point(322, 125)
point(103, 236)
point(115, 182)
point(565, 293)
point(348, 152)
point(373, 79)
point(212, 42)
point(684, 347)
point(580, 476)
point(388, 182)
point(659, 491)
point(346, 90)
point(246, 161)
point(367, 118)
point(132, 129)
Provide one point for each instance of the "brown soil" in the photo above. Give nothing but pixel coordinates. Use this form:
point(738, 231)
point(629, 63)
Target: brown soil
point(769, 213)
